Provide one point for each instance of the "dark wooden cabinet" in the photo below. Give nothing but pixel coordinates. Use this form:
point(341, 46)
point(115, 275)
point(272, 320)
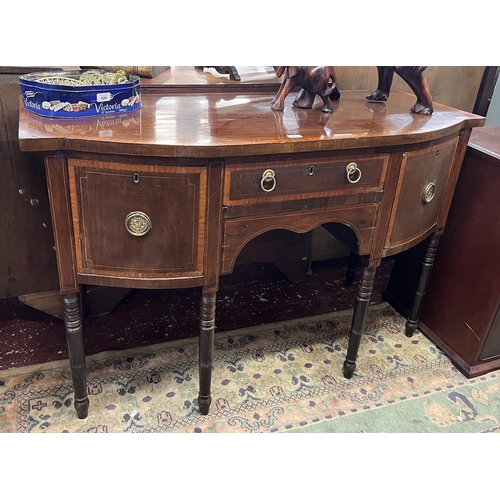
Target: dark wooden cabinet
point(461, 311)
point(27, 257)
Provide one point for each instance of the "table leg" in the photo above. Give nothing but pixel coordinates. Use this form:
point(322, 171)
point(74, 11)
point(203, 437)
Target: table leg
point(74, 337)
point(207, 330)
point(423, 281)
point(351, 268)
point(359, 319)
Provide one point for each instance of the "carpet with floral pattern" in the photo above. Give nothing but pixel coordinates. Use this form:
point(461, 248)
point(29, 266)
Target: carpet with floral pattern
point(283, 377)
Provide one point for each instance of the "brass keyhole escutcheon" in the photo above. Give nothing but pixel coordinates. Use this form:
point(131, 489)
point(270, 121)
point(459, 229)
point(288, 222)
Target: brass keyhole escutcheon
point(136, 178)
point(353, 173)
point(268, 181)
point(429, 192)
point(138, 223)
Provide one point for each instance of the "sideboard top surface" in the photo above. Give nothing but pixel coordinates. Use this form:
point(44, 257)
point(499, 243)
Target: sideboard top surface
point(217, 125)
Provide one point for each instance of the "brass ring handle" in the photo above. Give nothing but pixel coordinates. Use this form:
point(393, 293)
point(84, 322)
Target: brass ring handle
point(268, 181)
point(353, 173)
point(138, 223)
point(429, 192)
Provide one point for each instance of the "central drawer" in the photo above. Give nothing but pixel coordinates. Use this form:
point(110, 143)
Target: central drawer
point(257, 182)
point(138, 221)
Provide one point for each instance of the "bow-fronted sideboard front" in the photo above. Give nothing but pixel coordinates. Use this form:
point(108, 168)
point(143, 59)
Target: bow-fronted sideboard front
point(169, 195)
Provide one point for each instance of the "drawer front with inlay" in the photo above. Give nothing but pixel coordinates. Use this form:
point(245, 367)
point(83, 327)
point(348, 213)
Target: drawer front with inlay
point(247, 183)
point(138, 221)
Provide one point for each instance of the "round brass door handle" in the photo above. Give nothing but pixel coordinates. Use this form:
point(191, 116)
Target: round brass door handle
point(138, 223)
point(268, 181)
point(353, 173)
point(429, 192)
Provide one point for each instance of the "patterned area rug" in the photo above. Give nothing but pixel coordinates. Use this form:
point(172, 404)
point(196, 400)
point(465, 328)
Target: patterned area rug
point(284, 377)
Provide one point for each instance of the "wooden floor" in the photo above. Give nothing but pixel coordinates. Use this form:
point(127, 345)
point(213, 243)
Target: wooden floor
point(253, 294)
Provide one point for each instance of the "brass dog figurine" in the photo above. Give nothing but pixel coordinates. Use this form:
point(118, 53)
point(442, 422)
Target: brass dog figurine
point(321, 80)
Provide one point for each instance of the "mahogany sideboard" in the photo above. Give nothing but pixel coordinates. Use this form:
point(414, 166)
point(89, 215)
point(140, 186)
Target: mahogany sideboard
point(168, 196)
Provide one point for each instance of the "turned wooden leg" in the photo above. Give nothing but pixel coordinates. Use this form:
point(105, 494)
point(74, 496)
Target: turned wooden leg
point(351, 268)
point(309, 253)
point(74, 336)
point(423, 281)
point(207, 330)
point(358, 320)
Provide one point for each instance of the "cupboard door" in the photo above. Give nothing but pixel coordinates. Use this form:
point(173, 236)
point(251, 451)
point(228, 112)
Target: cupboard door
point(421, 187)
point(138, 221)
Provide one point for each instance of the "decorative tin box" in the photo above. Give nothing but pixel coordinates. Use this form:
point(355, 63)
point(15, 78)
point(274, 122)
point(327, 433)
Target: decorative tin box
point(75, 94)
